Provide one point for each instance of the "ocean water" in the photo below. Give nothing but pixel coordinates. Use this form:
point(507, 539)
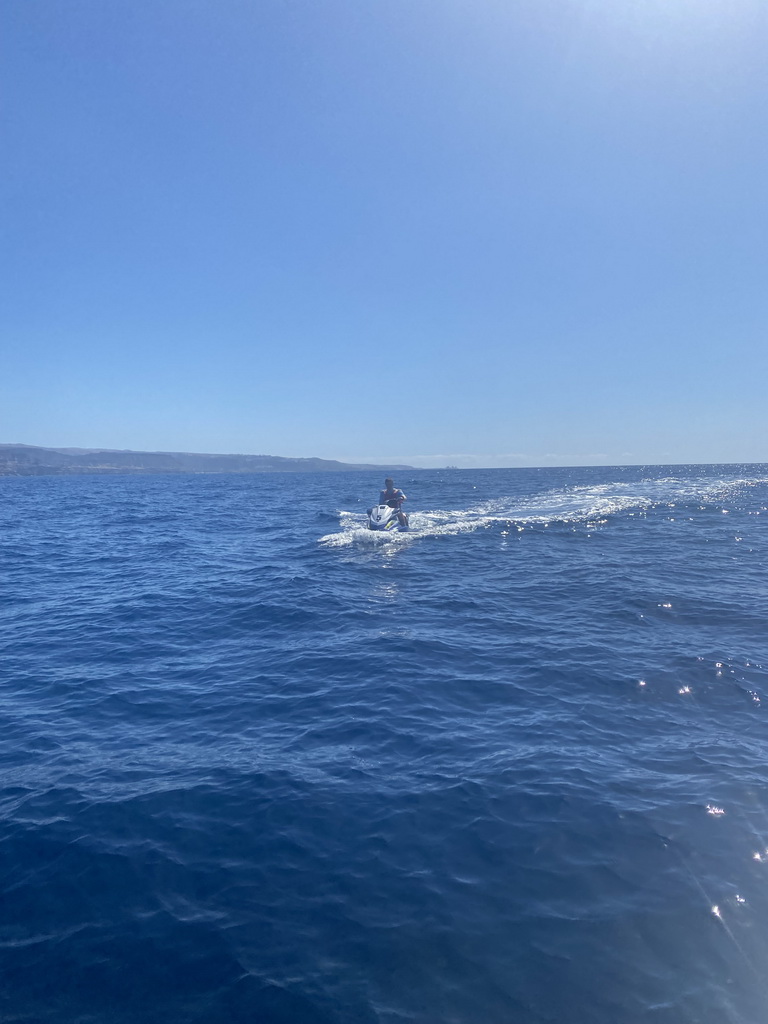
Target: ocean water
point(260, 765)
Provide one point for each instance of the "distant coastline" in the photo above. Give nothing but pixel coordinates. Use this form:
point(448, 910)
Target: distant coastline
point(30, 460)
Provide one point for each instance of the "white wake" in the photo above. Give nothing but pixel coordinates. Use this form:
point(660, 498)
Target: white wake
point(576, 504)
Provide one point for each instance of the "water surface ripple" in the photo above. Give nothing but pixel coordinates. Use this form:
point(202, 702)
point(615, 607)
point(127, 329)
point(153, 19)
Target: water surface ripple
point(259, 764)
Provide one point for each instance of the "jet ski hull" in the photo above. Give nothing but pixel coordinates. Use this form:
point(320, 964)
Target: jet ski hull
point(384, 519)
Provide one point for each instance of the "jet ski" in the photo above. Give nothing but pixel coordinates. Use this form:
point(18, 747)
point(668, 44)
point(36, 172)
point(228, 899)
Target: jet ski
point(384, 517)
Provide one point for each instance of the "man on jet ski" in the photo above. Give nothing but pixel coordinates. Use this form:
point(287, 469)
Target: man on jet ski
point(393, 497)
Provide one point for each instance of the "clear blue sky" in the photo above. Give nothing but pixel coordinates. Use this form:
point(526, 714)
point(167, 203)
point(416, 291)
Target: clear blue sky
point(487, 232)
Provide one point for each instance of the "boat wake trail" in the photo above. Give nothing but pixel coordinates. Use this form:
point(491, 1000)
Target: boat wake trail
point(586, 504)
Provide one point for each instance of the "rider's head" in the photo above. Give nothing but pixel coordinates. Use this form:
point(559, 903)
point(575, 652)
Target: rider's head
point(389, 481)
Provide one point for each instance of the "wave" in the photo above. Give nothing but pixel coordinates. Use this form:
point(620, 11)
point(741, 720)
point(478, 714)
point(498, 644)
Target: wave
point(590, 503)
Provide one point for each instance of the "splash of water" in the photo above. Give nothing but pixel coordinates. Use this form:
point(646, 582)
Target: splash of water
point(579, 504)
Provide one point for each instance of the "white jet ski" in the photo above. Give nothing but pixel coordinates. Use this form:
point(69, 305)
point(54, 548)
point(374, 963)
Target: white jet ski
point(383, 517)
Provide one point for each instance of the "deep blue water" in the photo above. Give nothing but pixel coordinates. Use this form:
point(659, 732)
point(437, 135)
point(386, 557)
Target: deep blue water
point(261, 766)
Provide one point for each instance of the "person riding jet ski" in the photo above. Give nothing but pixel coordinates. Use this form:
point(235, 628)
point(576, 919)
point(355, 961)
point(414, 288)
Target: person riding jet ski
point(387, 515)
point(394, 497)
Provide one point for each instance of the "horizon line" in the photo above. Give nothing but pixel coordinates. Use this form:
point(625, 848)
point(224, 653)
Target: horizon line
point(376, 461)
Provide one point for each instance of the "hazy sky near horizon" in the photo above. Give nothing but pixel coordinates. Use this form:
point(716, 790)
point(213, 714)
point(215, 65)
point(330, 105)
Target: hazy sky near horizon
point(500, 232)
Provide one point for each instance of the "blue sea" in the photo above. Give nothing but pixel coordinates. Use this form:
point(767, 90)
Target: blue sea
point(261, 765)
